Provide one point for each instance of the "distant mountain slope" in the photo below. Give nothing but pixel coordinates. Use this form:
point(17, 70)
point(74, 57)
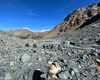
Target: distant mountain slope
point(78, 18)
point(25, 33)
point(21, 33)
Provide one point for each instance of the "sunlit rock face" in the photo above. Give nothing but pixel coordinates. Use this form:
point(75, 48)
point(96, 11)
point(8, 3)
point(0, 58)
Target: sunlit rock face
point(76, 19)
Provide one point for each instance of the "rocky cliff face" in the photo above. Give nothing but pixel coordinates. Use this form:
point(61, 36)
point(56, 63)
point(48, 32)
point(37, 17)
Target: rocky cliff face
point(76, 19)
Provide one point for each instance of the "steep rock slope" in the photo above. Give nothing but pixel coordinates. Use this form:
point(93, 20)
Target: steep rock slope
point(76, 19)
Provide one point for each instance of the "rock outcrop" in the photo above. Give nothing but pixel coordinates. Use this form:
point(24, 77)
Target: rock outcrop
point(76, 19)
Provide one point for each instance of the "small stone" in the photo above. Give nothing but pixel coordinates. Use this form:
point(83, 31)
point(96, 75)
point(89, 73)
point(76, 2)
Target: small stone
point(43, 75)
point(49, 62)
point(30, 64)
point(67, 43)
point(72, 73)
point(98, 60)
point(98, 69)
point(75, 51)
point(69, 54)
point(79, 66)
point(11, 63)
point(64, 75)
point(76, 70)
point(40, 59)
point(25, 58)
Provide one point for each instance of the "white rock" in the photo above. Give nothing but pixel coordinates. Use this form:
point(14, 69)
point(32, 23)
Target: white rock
point(25, 57)
point(49, 62)
point(67, 43)
point(69, 54)
point(30, 64)
point(79, 66)
point(72, 73)
point(11, 63)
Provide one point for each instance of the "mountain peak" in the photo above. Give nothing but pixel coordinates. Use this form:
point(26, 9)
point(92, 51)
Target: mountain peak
point(76, 19)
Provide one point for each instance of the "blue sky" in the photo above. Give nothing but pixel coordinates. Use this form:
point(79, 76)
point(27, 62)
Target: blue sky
point(37, 14)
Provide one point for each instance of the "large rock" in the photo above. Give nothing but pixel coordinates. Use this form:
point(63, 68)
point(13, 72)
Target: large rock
point(7, 76)
point(64, 75)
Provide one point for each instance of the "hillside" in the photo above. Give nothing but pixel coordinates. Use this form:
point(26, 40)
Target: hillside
point(78, 18)
point(25, 33)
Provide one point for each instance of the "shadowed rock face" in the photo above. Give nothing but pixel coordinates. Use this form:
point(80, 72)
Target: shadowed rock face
point(89, 21)
point(76, 19)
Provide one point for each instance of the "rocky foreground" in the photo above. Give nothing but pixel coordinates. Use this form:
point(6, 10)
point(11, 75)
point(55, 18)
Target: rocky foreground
point(28, 59)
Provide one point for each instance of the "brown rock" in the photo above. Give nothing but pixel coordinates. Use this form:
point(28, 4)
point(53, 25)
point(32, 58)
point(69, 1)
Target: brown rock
point(75, 20)
point(98, 69)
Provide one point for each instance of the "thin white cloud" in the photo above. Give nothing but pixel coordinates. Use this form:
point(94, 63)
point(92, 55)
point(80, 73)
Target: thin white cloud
point(36, 30)
point(31, 13)
point(27, 28)
point(44, 30)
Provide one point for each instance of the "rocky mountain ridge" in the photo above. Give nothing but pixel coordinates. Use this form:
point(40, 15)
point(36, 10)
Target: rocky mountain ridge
point(76, 19)
point(25, 33)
